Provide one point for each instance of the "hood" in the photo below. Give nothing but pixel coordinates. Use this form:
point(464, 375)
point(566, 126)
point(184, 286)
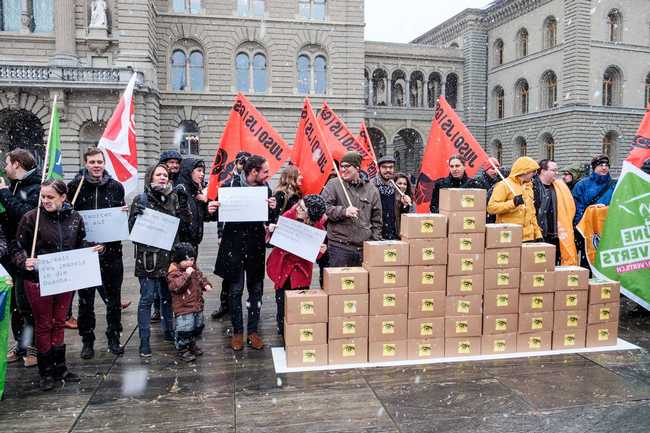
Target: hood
point(185, 173)
point(149, 175)
point(523, 165)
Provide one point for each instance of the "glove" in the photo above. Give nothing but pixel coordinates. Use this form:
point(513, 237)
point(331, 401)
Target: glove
point(139, 209)
point(181, 192)
point(519, 200)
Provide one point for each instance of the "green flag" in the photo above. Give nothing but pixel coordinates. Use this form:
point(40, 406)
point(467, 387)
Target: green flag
point(54, 166)
point(623, 253)
point(5, 320)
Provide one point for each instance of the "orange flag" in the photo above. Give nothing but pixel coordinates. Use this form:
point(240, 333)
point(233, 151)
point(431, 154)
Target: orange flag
point(448, 136)
point(566, 210)
point(341, 140)
point(641, 146)
point(590, 227)
point(246, 131)
point(364, 139)
point(309, 153)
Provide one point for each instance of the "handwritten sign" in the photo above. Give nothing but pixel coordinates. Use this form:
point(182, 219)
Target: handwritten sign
point(68, 271)
point(243, 204)
point(155, 229)
point(106, 225)
point(298, 238)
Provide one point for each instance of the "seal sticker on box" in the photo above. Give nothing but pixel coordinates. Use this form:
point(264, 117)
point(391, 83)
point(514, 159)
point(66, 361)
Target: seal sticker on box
point(388, 327)
point(537, 323)
point(467, 265)
point(390, 277)
point(347, 283)
point(424, 349)
point(307, 307)
point(572, 321)
point(427, 305)
point(467, 201)
point(571, 300)
point(463, 307)
point(503, 279)
point(540, 257)
point(308, 356)
point(462, 327)
point(350, 307)
point(306, 335)
point(606, 293)
point(501, 324)
point(534, 343)
point(469, 223)
point(426, 329)
point(570, 339)
point(389, 349)
point(537, 302)
point(538, 280)
point(466, 285)
point(428, 253)
point(604, 314)
point(426, 226)
point(499, 345)
point(390, 255)
point(603, 334)
point(573, 280)
point(428, 278)
point(348, 350)
point(465, 244)
point(350, 327)
point(464, 347)
point(390, 300)
point(503, 300)
point(505, 237)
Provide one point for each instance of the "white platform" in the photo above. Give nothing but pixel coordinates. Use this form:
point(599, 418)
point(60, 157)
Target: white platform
point(280, 358)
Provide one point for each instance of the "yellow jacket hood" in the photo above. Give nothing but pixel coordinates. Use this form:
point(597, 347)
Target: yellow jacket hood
point(523, 165)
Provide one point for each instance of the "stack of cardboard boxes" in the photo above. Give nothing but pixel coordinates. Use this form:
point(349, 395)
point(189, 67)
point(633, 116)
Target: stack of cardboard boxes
point(603, 313)
point(305, 328)
point(570, 307)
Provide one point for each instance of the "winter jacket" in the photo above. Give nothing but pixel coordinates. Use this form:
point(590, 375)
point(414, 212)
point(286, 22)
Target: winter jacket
point(586, 190)
point(102, 194)
point(502, 201)
point(347, 232)
point(282, 264)
point(390, 229)
point(487, 183)
point(547, 223)
point(449, 182)
point(20, 198)
point(186, 290)
point(242, 247)
point(192, 231)
point(284, 204)
point(58, 231)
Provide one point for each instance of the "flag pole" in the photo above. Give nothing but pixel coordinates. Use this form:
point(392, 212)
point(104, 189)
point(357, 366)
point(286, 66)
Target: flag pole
point(76, 194)
point(336, 170)
point(502, 178)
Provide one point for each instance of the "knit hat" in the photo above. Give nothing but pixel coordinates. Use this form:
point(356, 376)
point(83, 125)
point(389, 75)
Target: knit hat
point(352, 158)
point(599, 159)
point(170, 154)
point(385, 160)
point(315, 206)
point(242, 157)
point(183, 251)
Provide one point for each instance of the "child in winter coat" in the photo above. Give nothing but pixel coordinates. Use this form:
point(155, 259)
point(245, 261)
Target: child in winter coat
point(290, 272)
point(187, 284)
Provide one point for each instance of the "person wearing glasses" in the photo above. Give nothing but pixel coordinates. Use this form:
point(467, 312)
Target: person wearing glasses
point(349, 225)
point(597, 188)
point(545, 196)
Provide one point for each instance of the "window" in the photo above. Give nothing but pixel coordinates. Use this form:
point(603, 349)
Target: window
point(550, 32)
point(451, 89)
point(251, 8)
point(548, 144)
point(187, 6)
point(304, 74)
point(366, 86)
point(190, 138)
point(454, 45)
point(398, 84)
point(178, 78)
point(521, 96)
point(610, 142)
point(434, 88)
point(379, 88)
point(614, 26)
point(549, 90)
point(242, 65)
point(43, 16)
point(522, 43)
point(498, 52)
point(251, 75)
point(417, 89)
point(612, 87)
point(260, 76)
point(312, 9)
point(499, 102)
point(312, 74)
point(197, 75)
point(647, 90)
point(187, 72)
point(10, 19)
point(320, 75)
point(520, 143)
point(497, 150)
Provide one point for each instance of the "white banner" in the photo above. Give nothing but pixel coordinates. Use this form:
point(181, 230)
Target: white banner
point(155, 229)
point(68, 271)
point(106, 225)
point(243, 204)
point(298, 238)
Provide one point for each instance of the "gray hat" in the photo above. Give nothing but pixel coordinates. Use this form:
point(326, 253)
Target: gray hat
point(385, 160)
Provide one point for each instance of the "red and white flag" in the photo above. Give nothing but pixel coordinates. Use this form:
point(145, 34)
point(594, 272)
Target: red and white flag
point(119, 142)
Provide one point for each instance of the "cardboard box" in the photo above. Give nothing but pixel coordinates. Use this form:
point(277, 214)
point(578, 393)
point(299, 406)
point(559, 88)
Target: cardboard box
point(347, 327)
point(569, 339)
point(502, 258)
point(466, 326)
point(305, 334)
point(500, 323)
point(534, 342)
point(387, 351)
point(470, 305)
point(536, 302)
point(428, 278)
point(602, 334)
point(305, 306)
point(504, 301)
point(427, 252)
point(345, 281)
point(426, 328)
point(535, 322)
point(460, 199)
point(571, 278)
point(348, 305)
point(422, 226)
point(426, 349)
point(387, 328)
point(537, 282)
point(497, 344)
point(537, 257)
point(463, 243)
point(571, 300)
point(348, 351)
point(465, 264)
point(503, 235)
point(501, 279)
point(307, 356)
point(426, 304)
point(603, 292)
point(462, 346)
point(394, 276)
point(465, 285)
point(465, 222)
point(569, 320)
point(389, 301)
point(600, 313)
point(385, 253)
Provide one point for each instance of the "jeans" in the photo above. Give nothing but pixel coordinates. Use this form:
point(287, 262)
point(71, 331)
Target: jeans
point(149, 286)
point(188, 327)
point(49, 314)
point(253, 304)
point(342, 257)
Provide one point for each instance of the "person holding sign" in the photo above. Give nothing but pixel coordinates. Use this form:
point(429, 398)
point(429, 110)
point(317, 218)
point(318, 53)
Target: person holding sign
point(241, 258)
point(151, 262)
point(60, 228)
point(93, 189)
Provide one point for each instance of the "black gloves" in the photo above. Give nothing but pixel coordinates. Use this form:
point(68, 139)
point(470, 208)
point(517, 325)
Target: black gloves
point(181, 192)
point(519, 200)
point(138, 209)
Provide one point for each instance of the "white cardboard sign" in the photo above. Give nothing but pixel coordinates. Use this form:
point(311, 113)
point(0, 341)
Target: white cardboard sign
point(68, 271)
point(106, 225)
point(155, 229)
point(298, 238)
point(243, 204)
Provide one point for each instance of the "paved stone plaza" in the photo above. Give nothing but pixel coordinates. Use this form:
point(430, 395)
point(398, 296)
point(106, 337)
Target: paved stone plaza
point(223, 392)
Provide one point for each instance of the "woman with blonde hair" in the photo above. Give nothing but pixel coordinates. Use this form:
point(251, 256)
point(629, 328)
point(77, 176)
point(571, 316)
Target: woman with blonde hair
point(287, 193)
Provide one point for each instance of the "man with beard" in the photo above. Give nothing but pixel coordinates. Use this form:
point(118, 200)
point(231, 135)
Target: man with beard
point(393, 203)
point(457, 179)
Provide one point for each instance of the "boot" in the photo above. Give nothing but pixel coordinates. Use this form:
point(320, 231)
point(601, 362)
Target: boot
point(186, 355)
point(237, 342)
point(220, 313)
point(45, 367)
point(145, 348)
point(255, 341)
point(196, 350)
point(87, 350)
point(60, 369)
point(114, 345)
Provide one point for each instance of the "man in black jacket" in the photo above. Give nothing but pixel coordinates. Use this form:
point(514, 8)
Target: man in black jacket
point(546, 202)
point(457, 179)
point(95, 189)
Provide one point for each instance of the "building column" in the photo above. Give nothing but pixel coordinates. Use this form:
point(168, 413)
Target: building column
point(64, 31)
point(407, 94)
point(25, 16)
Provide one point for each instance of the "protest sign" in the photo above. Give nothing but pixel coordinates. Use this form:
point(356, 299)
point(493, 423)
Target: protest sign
point(298, 238)
point(3, 272)
point(243, 204)
point(68, 271)
point(106, 225)
point(155, 229)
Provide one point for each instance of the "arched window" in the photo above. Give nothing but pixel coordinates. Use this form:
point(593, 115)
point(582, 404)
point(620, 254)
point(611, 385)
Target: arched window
point(260, 75)
point(242, 65)
point(251, 69)
point(251, 8)
point(178, 77)
point(380, 88)
point(408, 144)
point(89, 135)
point(647, 90)
point(454, 45)
point(522, 43)
point(398, 86)
point(521, 145)
point(190, 138)
point(499, 102)
point(320, 75)
point(312, 72)
point(497, 150)
point(378, 140)
point(521, 96)
point(187, 71)
point(612, 87)
point(197, 73)
point(434, 88)
point(614, 26)
point(304, 74)
point(312, 9)
point(549, 90)
point(548, 146)
point(417, 89)
point(610, 144)
point(550, 32)
point(10, 19)
point(187, 6)
point(451, 89)
point(43, 16)
point(498, 52)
